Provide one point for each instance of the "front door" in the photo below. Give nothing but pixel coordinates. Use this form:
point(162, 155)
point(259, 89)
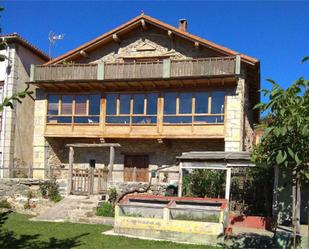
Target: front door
point(136, 168)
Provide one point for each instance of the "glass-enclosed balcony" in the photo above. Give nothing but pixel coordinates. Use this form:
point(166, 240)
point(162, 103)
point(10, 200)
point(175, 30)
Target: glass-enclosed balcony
point(137, 114)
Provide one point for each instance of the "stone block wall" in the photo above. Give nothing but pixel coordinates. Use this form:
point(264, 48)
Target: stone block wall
point(15, 192)
point(234, 118)
point(160, 155)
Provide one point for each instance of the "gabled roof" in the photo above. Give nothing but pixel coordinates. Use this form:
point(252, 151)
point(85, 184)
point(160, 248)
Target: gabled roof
point(139, 21)
point(14, 37)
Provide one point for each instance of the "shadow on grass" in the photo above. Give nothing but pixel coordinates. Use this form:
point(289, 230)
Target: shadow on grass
point(8, 239)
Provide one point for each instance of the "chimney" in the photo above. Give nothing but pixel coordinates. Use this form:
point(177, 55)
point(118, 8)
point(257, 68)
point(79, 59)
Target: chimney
point(182, 25)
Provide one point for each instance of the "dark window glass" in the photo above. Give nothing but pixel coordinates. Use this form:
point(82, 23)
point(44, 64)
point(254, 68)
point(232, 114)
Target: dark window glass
point(111, 104)
point(201, 102)
point(81, 105)
point(94, 104)
point(177, 119)
point(185, 103)
point(124, 104)
point(86, 120)
point(144, 119)
point(118, 120)
point(170, 103)
point(53, 104)
point(138, 103)
point(66, 107)
point(152, 100)
point(217, 102)
point(59, 120)
point(209, 119)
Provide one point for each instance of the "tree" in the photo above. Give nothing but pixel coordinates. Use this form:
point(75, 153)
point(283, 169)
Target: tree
point(286, 139)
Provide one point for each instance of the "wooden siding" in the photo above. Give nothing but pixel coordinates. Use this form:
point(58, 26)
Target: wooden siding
point(215, 66)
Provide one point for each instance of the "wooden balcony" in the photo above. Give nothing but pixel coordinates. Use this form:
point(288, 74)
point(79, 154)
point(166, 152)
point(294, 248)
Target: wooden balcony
point(207, 67)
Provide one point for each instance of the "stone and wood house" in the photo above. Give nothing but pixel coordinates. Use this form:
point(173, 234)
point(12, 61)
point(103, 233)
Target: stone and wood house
point(134, 100)
point(16, 125)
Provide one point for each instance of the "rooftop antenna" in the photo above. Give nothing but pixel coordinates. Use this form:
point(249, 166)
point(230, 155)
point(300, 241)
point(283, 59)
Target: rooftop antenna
point(53, 38)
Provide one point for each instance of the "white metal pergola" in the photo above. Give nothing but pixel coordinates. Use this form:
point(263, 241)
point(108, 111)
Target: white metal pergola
point(217, 160)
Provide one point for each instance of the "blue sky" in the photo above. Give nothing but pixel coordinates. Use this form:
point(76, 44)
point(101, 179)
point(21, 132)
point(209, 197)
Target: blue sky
point(277, 33)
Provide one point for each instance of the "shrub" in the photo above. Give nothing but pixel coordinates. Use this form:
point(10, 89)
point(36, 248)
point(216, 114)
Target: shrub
point(5, 204)
point(50, 189)
point(106, 209)
point(112, 195)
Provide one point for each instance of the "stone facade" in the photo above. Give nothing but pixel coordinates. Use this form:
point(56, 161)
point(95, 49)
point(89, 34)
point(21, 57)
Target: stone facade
point(17, 123)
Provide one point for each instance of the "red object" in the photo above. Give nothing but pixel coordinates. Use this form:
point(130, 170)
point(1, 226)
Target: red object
point(257, 222)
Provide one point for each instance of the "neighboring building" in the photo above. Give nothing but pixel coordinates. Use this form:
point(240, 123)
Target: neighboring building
point(17, 124)
point(155, 90)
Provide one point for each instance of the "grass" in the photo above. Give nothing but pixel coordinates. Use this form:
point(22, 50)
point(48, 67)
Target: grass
point(17, 232)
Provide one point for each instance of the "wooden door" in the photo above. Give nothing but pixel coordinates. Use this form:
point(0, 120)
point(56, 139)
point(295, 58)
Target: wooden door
point(136, 168)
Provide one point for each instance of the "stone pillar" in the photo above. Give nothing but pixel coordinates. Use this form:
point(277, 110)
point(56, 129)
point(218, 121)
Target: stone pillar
point(234, 118)
point(40, 109)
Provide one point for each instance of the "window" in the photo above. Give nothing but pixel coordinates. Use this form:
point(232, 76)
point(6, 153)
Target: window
point(137, 108)
point(87, 109)
point(208, 107)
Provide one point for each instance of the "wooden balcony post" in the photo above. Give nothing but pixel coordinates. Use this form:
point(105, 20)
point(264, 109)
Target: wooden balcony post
point(32, 73)
point(100, 71)
point(70, 171)
point(166, 68)
point(111, 163)
point(237, 64)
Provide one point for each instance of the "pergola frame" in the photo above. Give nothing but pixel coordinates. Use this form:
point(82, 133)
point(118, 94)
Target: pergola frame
point(217, 160)
point(89, 145)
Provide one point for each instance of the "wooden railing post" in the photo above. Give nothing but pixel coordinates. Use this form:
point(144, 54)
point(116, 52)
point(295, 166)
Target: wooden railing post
point(32, 73)
point(166, 68)
point(237, 64)
point(100, 71)
point(70, 171)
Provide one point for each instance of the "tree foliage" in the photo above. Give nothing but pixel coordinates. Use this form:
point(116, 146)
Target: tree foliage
point(286, 139)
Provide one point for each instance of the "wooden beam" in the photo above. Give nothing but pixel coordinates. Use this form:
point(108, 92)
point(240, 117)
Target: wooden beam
point(228, 183)
point(84, 54)
point(70, 171)
point(111, 163)
point(144, 26)
point(116, 38)
point(170, 34)
point(85, 145)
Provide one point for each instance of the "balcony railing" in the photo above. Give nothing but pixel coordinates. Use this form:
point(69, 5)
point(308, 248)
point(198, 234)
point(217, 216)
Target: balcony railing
point(215, 66)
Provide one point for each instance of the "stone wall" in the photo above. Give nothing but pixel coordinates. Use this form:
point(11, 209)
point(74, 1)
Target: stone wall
point(234, 117)
point(15, 191)
point(159, 155)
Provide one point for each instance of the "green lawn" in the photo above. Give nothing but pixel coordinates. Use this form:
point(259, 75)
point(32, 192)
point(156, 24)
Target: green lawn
point(17, 232)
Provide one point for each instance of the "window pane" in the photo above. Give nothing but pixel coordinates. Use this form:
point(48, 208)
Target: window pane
point(118, 120)
point(217, 102)
point(170, 103)
point(53, 104)
point(178, 119)
point(81, 105)
point(124, 104)
point(66, 107)
point(59, 119)
point(94, 104)
point(144, 120)
point(152, 100)
point(209, 119)
point(201, 102)
point(185, 103)
point(111, 104)
point(138, 103)
point(86, 120)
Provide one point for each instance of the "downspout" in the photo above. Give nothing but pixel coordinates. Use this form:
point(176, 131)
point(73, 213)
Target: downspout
point(5, 89)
